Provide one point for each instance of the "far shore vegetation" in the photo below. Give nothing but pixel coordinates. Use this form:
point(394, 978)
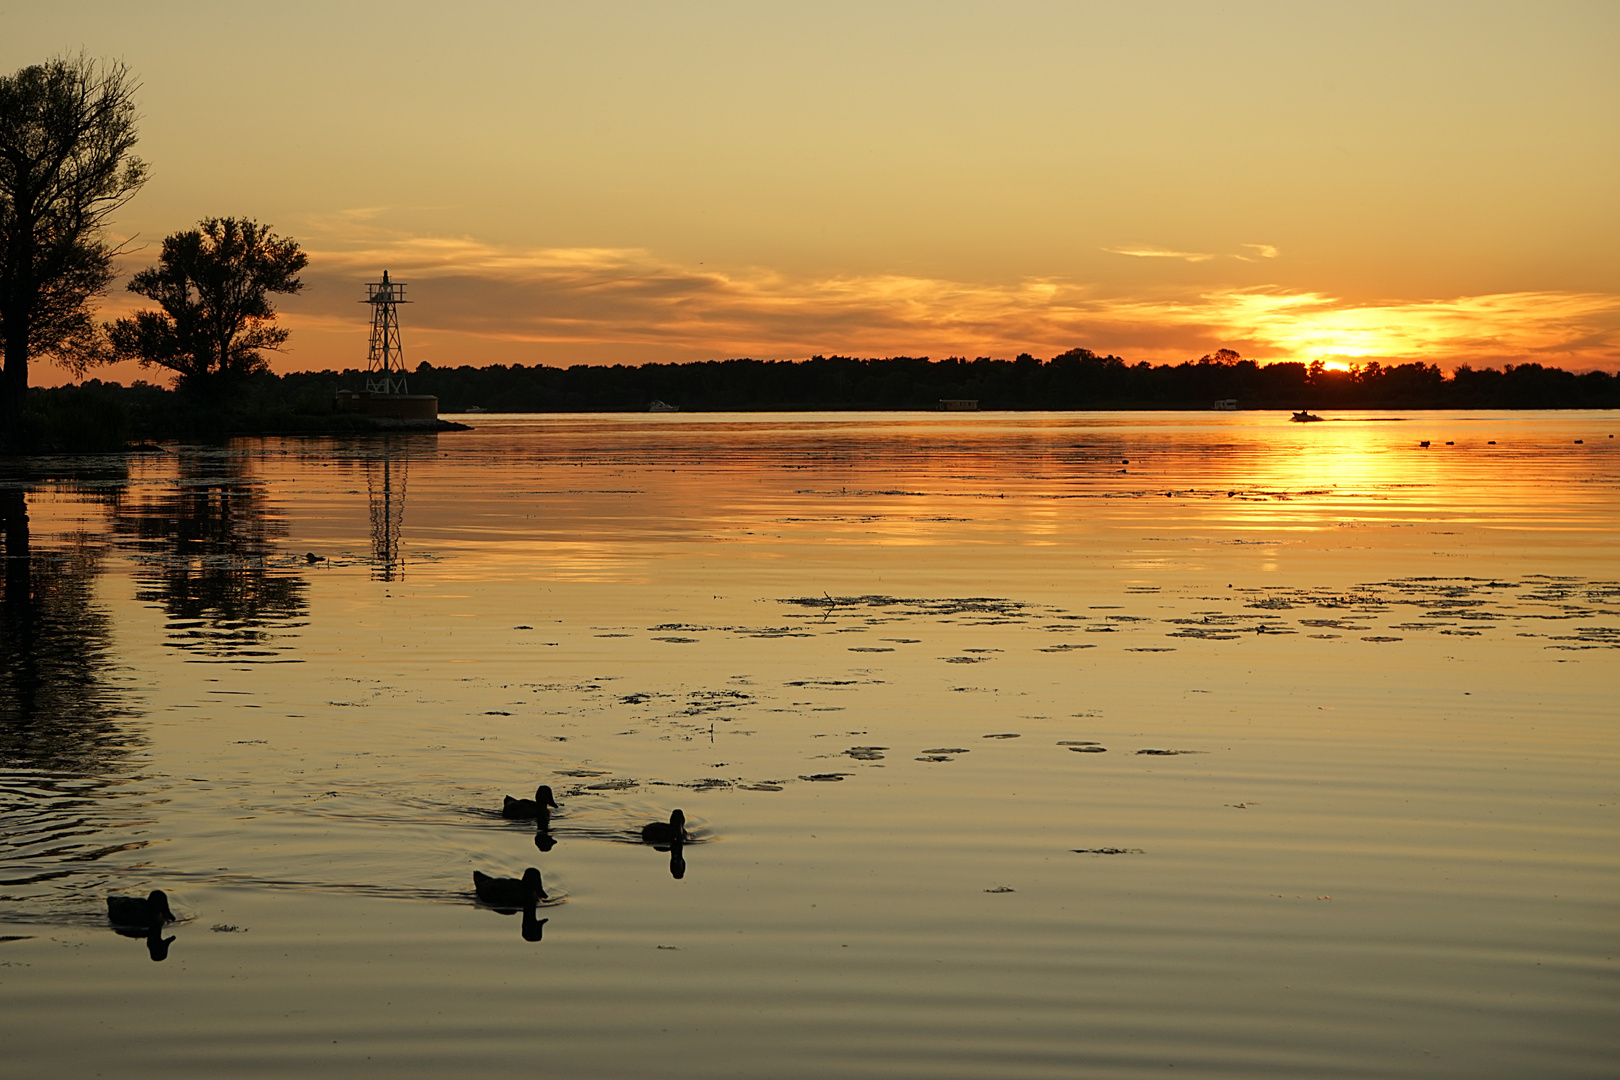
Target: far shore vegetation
point(105, 416)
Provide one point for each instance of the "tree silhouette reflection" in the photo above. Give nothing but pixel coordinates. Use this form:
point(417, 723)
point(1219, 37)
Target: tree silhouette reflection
point(205, 551)
point(59, 709)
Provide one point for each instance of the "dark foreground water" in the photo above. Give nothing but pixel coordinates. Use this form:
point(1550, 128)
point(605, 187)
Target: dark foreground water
point(1013, 745)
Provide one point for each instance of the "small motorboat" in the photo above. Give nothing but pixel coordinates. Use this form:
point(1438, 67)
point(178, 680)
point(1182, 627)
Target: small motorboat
point(1305, 418)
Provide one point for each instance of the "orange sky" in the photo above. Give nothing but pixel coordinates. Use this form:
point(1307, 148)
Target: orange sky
point(627, 182)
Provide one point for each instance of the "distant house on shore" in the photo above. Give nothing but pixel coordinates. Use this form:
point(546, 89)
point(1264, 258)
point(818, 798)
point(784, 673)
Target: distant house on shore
point(958, 404)
point(1226, 404)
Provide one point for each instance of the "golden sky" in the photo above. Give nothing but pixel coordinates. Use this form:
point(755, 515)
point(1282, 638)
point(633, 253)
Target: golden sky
point(565, 183)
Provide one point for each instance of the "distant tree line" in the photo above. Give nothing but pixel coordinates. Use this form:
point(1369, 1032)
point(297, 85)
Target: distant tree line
point(104, 416)
point(1077, 379)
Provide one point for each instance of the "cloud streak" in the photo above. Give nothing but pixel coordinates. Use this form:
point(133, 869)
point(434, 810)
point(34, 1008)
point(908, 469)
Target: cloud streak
point(1149, 252)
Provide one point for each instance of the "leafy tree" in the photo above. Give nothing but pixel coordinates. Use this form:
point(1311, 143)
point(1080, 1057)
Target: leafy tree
point(66, 131)
point(213, 284)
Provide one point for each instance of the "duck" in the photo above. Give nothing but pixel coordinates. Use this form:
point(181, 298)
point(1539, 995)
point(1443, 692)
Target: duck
point(150, 910)
point(510, 892)
point(538, 807)
point(665, 832)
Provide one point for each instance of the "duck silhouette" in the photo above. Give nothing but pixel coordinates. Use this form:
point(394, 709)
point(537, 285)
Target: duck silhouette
point(505, 892)
point(538, 807)
point(665, 832)
point(151, 910)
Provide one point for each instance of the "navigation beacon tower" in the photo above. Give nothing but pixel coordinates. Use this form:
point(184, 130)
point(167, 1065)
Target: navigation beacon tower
point(385, 364)
point(386, 396)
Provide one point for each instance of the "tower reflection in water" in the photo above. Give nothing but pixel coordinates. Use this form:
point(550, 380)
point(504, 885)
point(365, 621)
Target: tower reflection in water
point(386, 475)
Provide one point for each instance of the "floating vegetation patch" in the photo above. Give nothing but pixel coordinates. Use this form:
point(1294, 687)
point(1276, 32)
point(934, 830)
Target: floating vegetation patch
point(1108, 851)
point(912, 607)
point(866, 753)
point(707, 783)
point(824, 777)
point(1168, 753)
point(699, 702)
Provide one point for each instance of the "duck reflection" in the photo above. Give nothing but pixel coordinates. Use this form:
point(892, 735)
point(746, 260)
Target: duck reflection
point(204, 545)
point(157, 946)
point(543, 838)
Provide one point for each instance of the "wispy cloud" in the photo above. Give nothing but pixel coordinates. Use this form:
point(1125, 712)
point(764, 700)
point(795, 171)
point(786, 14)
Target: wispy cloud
point(1148, 252)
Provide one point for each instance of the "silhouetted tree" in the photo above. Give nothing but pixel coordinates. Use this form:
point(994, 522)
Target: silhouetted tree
point(66, 131)
point(213, 284)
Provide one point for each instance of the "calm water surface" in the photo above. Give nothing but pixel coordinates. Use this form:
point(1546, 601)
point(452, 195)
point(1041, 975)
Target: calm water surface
point(1013, 745)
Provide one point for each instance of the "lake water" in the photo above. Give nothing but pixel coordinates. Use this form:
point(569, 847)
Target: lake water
point(1012, 745)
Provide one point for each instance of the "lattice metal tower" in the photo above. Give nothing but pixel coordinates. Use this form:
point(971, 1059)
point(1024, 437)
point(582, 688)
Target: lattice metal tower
point(385, 366)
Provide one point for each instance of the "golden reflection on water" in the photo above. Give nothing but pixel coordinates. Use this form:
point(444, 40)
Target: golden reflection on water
point(871, 658)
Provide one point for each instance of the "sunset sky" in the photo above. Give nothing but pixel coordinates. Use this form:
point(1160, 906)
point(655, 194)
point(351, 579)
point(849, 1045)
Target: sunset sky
point(568, 183)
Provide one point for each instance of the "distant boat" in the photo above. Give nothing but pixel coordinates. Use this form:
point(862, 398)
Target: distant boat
point(473, 408)
point(662, 406)
point(1304, 418)
point(1226, 404)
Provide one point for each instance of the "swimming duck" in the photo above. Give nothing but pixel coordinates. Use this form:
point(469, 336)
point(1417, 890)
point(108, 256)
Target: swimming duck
point(509, 892)
point(665, 832)
point(538, 807)
point(151, 910)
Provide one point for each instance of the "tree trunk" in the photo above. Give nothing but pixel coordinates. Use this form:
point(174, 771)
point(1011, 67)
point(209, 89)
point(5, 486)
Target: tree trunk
point(13, 391)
